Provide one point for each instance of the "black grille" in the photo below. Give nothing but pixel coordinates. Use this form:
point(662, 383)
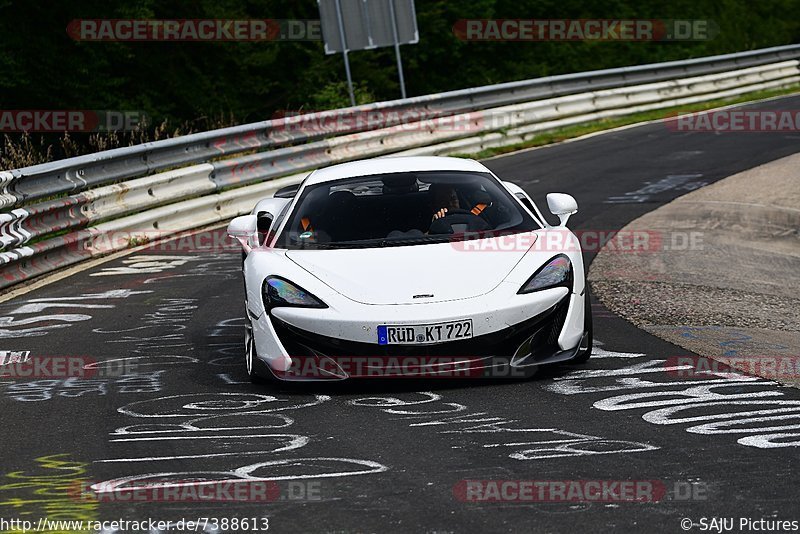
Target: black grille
point(559, 315)
point(544, 328)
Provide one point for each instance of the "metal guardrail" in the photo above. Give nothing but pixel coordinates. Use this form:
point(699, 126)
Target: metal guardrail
point(112, 185)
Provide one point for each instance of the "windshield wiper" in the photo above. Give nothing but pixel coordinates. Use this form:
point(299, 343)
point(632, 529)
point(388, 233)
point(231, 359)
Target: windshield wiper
point(442, 238)
point(393, 242)
point(374, 243)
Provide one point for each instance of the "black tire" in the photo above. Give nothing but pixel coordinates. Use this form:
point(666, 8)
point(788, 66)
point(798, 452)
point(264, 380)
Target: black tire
point(250, 355)
point(256, 370)
point(585, 351)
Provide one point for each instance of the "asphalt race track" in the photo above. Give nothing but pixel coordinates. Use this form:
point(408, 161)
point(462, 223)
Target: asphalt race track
point(170, 400)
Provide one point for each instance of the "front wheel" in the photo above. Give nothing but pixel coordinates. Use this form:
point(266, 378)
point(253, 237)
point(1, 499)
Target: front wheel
point(585, 350)
point(250, 353)
point(251, 361)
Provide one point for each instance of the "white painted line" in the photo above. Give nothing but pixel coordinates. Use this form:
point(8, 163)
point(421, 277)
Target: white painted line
point(85, 265)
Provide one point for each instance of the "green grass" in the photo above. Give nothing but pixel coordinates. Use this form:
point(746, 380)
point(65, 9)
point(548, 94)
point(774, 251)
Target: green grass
point(577, 130)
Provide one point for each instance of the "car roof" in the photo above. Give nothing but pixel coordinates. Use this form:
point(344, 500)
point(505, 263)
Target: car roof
point(386, 165)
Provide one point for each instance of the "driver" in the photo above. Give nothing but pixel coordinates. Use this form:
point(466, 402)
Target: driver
point(443, 198)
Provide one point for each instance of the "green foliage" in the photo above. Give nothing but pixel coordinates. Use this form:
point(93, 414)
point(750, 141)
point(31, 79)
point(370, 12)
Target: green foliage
point(43, 68)
point(335, 95)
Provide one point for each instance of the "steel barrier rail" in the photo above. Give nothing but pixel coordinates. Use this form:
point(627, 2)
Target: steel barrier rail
point(266, 165)
point(149, 224)
point(114, 200)
point(519, 135)
point(279, 162)
point(118, 234)
point(167, 202)
point(550, 121)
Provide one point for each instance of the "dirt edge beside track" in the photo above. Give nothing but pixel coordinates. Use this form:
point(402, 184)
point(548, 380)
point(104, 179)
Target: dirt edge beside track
point(716, 271)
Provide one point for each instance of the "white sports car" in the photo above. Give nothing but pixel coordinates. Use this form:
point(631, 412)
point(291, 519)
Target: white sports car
point(410, 266)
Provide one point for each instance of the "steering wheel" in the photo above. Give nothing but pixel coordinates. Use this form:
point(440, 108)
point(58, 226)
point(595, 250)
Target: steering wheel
point(444, 225)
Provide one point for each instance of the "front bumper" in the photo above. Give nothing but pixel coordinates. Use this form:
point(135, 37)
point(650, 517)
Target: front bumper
point(508, 352)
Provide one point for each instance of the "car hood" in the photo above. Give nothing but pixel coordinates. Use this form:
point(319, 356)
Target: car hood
point(416, 274)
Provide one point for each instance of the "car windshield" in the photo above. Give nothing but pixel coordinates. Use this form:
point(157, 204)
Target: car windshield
point(408, 208)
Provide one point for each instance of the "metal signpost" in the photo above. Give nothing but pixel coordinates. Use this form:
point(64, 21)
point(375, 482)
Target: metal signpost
point(349, 25)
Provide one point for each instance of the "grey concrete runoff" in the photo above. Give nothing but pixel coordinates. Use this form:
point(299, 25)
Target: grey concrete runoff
point(720, 273)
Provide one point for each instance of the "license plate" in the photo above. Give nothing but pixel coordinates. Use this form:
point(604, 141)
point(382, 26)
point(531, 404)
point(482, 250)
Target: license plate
point(424, 334)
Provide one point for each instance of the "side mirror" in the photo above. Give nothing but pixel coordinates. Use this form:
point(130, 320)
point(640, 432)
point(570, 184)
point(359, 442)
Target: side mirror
point(242, 228)
point(562, 206)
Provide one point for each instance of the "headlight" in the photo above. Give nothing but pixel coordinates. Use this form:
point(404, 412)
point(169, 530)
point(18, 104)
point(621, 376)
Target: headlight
point(556, 272)
point(279, 292)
